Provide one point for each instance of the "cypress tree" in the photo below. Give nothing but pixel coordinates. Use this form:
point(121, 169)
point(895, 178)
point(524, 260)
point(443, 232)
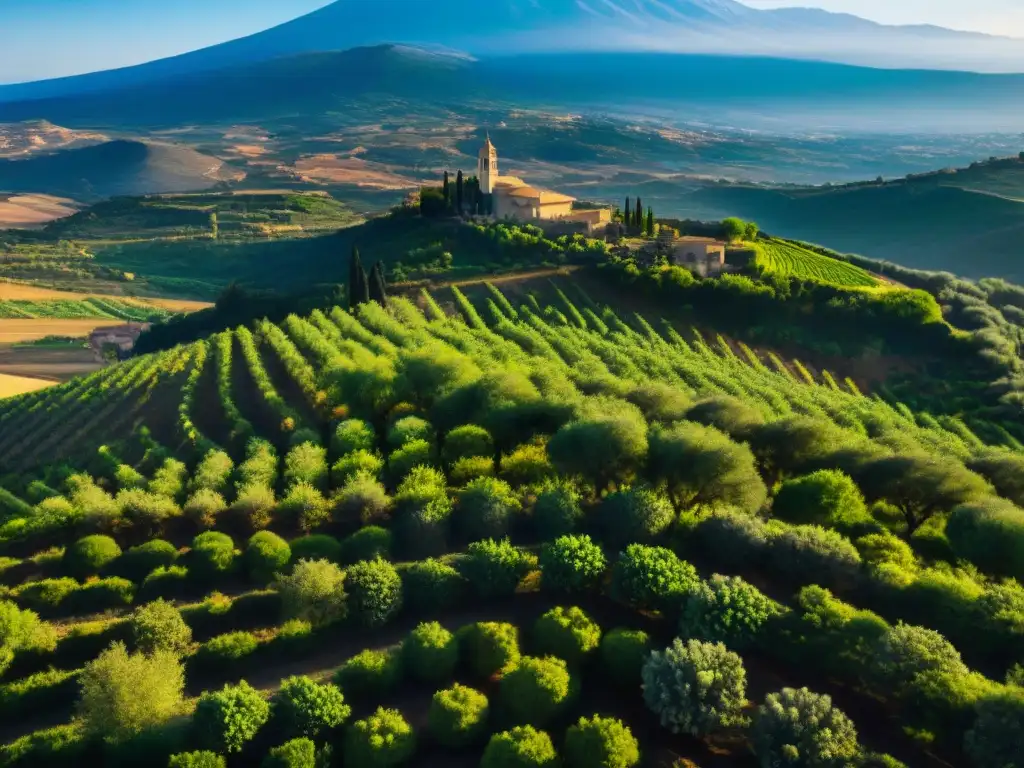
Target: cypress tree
point(650, 222)
point(358, 285)
point(638, 218)
point(459, 183)
point(376, 290)
point(627, 214)
point(447, 190)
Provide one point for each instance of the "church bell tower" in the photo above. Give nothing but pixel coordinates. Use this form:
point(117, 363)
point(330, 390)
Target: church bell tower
point(487, 167)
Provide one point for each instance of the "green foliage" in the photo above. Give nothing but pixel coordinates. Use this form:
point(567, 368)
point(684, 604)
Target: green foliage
point(608, 443)
point(316, 546)
point(905, 654)
point(361, 501)
point(213, 472)
point(800, 728)
point(407, 429)
point(370, 673)
point(467, 441)
point(123, 694)
point(430, 653)
point(536, 690)
point(159, 626)
point(493, 568)
point(297, 753)
point(572, 564)
point(203, 507)
point(601, 742)
point(402, 461)
point(367, 543)
point(623, 653)
point(213, 554)
point(807, 553)
point(485, 508)
point(358, 462)
point(652, 578)
point(727, 610)
point(306, 463)
point(225, 652)
point(430, 586)
point(381, 740)
point(997, 738)
point(138, 562)
point(878, 549)
point(827, 498)
point(527, 465)
point(567, 633)
point(88, 556)
point(266, 555)
point(21, 630)
point(557, 511)
point(314, 591)
point(635, 515)
point(302, 707)
point(304, 507)
point(702, 465)
point(375, 592)
point(352, 435)
point(458, 716)
point(204, 759)
point(521, 747)
point(695, 688)
point(469, 468)
point(226, 720)
point(990, 534)
point(491, 647)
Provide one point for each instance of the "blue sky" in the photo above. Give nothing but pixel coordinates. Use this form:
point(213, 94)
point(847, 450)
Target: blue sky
point(49, 38)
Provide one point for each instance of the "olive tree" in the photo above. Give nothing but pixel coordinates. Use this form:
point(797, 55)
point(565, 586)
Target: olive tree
point(159, 626)
point(302, 707)
point(382, 739)
point(990, 534)
point(727, 610)
point(802, 729)
point(826, 497)
point(314, 591)
point(606, 444)
point(536, 690)
point(521, 747)
point(652, 578)
point(997, 738)
point(572, 564)
point(226, 720)
point(601, 742)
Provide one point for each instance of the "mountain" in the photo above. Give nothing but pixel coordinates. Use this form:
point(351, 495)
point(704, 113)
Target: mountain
point(115, 168)
point(317, 87)
point(521, 26)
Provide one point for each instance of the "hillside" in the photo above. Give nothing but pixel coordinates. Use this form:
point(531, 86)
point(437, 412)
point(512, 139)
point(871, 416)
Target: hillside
point(114, 168)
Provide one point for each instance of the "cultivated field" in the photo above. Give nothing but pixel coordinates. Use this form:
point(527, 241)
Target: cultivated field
point(409, 537)
point(19, 385)
point(23, 292)
point(30, 211)
point(787, 259)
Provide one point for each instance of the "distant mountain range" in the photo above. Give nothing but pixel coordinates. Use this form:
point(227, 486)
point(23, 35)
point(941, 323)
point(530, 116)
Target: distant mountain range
point(531, 26)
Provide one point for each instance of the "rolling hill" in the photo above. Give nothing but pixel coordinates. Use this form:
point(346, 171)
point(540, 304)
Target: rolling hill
point(115, 168)
point(521, 26)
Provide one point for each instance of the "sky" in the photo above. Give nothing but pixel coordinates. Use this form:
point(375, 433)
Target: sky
point(41, 39)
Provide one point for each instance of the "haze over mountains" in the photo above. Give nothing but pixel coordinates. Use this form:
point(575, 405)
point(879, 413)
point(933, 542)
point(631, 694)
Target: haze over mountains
point(532, 26)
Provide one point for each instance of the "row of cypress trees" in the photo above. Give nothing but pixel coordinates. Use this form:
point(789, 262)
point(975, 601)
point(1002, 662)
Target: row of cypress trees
point(634, 217)
point(361, 288)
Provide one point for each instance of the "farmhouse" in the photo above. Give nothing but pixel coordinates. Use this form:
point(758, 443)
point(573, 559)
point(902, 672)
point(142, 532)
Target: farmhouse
point(702, 255)
point(513, 198)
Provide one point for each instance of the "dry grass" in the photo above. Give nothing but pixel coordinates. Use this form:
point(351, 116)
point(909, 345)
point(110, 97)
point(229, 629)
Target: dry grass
point(18, 331)
point(25, 211)
point(10, 291)
point(350, 170)
point(19, 385)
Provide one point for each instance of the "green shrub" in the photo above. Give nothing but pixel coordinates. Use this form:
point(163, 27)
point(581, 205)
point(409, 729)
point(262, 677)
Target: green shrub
point(423, 529)
point(536, 690)
point(522, 747)
point(314, 591)
point(877, 549)
point(623, 652)
point(101, 595)
point(527, 465)
point(352, 435)
point(197, 760)
point(123, 695)
point(266, 555)
point(384, 739)
point(990, 534)
point(370, 673)
point(731, 539)
point(169, 479)
point(407, 429)
point(635, 515)
point(800, 728)
point(254, 506)
point(567, 633)
point(695, 688)
point(494, 568)
point(165, 582)
point(203, 507)
point(359, 462)
point(213, 555)
point(158, 626)
point(305, 507)
point(37, 694)
point(469, 468)
point(304, 708)
point(361, 501)
point(297, 753)
point(306, 463)
point(146, 512)
point(467, 441)
point(225, 720)
point(316, 546)
point(401, 462)
point(88, 556)
point(375, 592)
point(225, 652)
point(572, 564)
point(652, 578)
point(213, 472)
point(827, 498)
point(808, 553)
point(430, 653)
point(486, 507)
point(491, 647)
point(601, 742)
point(430, 585)
point(727, 610)
point(138, 562)
point(458, 716)
point(557, 511)
point(905, 653)
point(997, 738)
point(367, 543)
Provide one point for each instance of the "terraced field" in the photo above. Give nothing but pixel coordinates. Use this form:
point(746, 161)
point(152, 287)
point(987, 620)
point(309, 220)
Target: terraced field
point(788, 259)
point(515, 535)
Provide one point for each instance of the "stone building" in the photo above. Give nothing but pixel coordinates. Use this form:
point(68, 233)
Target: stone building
point(703, 255)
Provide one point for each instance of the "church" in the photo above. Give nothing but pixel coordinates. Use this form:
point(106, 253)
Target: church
point(513, 198)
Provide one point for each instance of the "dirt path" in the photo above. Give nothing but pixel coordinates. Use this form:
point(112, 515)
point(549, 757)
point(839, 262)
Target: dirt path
point(505, 277)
